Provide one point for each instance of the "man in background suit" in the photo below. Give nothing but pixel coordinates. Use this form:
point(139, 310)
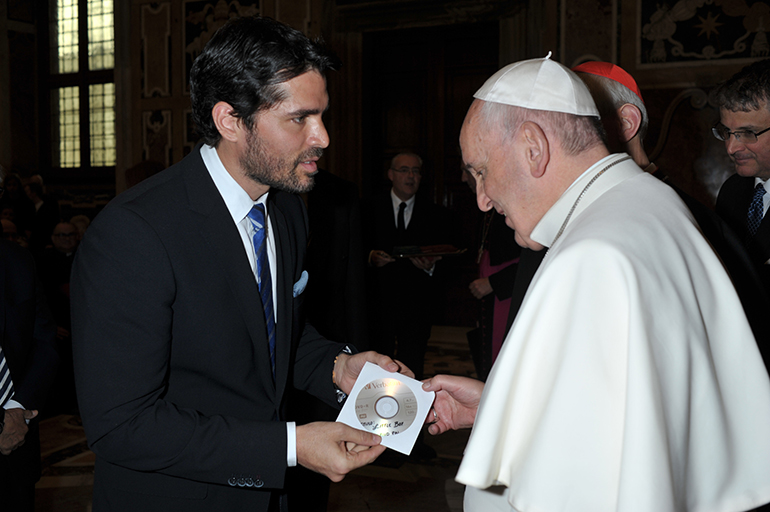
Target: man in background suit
point(403, 291)
point(28, 362)
point(188, 319)
point(744, 119)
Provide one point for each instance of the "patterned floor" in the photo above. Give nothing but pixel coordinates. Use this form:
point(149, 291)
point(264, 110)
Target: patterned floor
point(395, 482)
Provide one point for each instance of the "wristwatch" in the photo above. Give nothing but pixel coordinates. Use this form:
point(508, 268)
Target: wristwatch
point(2, 419)
point(341, 395)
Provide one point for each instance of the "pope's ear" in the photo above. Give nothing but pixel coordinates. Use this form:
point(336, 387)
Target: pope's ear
point(630, 121)
point(537, 148)
point(226, 122)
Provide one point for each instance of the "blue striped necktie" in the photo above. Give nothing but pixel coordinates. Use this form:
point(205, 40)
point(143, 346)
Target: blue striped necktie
point(6, 385)
point(257, 218)
point(756, 210)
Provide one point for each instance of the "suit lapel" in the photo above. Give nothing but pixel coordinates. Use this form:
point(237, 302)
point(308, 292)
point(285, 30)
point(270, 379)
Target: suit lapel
point(283, 301)
point(224, 242)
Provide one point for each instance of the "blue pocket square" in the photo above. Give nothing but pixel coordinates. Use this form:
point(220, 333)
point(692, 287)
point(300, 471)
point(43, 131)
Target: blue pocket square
point(299, 286)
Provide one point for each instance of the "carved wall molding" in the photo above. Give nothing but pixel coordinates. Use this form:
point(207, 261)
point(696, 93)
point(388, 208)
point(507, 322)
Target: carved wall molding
point(202, 18)
point(698, 100)
point(156, 37)
point(156, 136)
point(697, 31)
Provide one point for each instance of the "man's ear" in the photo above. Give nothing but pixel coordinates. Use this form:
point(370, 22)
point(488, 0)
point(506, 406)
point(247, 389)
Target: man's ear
point(630, 121)
point(227, 124)
point(537, 148)
point(390, 174)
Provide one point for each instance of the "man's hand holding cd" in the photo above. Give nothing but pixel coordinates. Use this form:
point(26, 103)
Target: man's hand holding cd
point(335, 449)
point(348, 367)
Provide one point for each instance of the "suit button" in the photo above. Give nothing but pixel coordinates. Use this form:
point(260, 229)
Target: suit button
point(249, 482)
point(241, 482)
point(233, 481)
point(258, 483)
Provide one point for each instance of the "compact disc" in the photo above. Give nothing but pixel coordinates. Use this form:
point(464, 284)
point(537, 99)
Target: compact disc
point(386, 407)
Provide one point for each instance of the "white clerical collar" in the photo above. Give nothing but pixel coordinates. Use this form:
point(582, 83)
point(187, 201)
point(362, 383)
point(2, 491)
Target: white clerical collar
point(238, 201)
point(548, 228)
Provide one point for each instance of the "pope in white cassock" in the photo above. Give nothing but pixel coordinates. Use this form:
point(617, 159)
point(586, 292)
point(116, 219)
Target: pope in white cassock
point(630, 380)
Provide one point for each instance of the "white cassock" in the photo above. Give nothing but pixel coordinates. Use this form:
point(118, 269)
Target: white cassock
point(630, 380)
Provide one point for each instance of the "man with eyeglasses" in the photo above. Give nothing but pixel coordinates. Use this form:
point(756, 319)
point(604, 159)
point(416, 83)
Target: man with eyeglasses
point(744, 120)
point(403, 290)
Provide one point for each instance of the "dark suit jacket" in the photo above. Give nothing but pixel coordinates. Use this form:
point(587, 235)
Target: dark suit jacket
point(733, 206)
point(170, 345)
point(401, 280)
point(28, 337)
point(43, 223)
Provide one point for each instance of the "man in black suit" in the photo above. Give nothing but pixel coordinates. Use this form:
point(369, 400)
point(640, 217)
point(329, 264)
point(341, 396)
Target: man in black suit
point(28, 362)
point(187, 319)
point(744, 119)
point(403, 290)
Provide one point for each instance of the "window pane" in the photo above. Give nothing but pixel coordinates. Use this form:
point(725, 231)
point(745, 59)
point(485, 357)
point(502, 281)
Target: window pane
point(64, 37)
point(66, 122)
point(101, 104)
point(101, 38)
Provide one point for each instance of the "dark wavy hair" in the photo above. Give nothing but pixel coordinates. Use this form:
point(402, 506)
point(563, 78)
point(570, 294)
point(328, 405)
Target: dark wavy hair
point(747, 89)
point(244, 64)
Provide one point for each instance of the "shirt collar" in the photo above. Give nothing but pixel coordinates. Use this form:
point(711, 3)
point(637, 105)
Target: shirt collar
point(397, 201)
point(237, 200)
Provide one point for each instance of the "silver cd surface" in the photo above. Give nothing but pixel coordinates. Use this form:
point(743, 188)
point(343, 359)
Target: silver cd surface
point(386, 407)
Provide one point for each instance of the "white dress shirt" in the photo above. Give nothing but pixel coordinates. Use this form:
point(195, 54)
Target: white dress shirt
point(407, 211)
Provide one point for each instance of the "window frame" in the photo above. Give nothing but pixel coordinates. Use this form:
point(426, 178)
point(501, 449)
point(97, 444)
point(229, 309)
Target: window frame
point(82, 79)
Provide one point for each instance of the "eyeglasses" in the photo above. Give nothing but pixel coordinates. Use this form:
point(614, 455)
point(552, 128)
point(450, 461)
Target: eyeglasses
point(405, 170)
point(747, 136)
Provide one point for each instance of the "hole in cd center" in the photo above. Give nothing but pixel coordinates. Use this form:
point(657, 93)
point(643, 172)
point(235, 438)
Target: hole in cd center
point(386, 407)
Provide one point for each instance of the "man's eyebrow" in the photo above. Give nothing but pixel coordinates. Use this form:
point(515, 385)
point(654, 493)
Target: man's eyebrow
point(748, 127)
point(304, 112)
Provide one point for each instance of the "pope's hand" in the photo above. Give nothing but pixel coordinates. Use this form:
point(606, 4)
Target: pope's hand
point(457, 400)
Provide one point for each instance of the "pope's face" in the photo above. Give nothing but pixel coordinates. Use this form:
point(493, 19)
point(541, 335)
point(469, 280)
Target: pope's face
point(286, 141)
point(751, 160)
point(500, 176)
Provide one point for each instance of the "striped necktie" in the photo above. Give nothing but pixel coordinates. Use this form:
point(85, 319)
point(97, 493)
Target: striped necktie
point(6, 384)
point(257, 218)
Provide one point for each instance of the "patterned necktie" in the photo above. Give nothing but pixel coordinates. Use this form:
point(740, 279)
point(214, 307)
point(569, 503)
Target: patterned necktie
point(257, 218)
point(6, 385)
point(401, 224)
point(756, 210)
